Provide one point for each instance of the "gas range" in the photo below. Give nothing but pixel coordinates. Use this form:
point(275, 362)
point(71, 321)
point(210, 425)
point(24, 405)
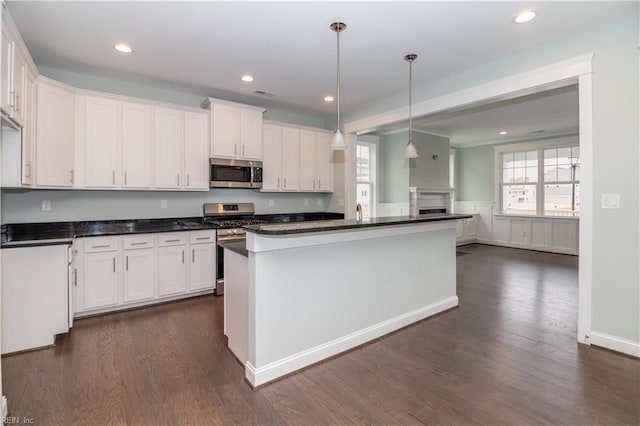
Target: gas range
point(229, 218)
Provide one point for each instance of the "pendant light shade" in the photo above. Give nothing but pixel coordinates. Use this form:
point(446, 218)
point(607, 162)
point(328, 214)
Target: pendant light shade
point(410, 151)
point(338, 141)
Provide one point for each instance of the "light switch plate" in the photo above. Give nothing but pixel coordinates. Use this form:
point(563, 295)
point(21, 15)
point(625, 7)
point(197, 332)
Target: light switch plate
point(46, 205)
point(610, 201)
point(163, 204)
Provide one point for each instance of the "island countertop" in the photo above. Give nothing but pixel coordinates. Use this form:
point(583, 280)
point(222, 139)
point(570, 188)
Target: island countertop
point(344, 224)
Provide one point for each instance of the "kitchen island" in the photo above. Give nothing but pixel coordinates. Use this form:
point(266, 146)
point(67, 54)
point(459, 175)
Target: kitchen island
point(316, 289)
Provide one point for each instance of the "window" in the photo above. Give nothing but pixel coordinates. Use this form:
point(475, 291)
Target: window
point(562, 181)
point(541, 182)
point(365, 178)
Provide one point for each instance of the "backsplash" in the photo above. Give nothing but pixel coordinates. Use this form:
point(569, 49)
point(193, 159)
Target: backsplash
point(73, 205)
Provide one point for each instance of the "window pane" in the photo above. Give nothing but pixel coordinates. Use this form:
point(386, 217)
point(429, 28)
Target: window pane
point(532, 159)
point(575, 152)
point(551, 173)
point(550, 157)
point(519, 199)
point(532, 174)
point(561, 200)
point(519, 174)
point(363, 169)
point(564, 173)
point(507, 175)
point(564, 155)
point(519, 159)
point(363, 197)
point(507, 161)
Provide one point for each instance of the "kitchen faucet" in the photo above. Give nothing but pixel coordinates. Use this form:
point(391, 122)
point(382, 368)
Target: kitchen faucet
point(358, 213)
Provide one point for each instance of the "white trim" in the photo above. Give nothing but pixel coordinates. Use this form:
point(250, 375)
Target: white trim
point(281, 367)
point(585, 249)
point(555, 75)
point(614, 343)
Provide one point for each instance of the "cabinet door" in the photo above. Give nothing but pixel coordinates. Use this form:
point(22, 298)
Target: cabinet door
point(307, 160)
point(28, 130)
point(6, 73)
point(172, 270)
point(250, 134)
point(196, 150)
point(54, 136)
point(324, 164)
point(101, 143)
point(136, 145)
point(19, 77)
point(202, 266)
point(225, 130)
point(101, 279)
point(272, 157)
point(139, 270)
point(290, 159)
point(168, 149)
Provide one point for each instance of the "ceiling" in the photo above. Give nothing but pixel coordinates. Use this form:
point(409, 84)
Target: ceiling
point(205, 47)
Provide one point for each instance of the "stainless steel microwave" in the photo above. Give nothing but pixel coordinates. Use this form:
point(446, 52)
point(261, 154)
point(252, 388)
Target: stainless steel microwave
point(227, 173)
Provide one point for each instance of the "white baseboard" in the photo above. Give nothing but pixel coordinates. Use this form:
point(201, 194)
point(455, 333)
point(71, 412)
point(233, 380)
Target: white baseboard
point(617, 344)
point(284, 366)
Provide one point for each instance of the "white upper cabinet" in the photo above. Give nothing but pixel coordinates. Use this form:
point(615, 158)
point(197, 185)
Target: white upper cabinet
point(29, 129)
point(236, 129)
point(102, 140)
point(168, 148)
point(136, 145)
point(290, 159)
point(316, 166)
point(272, 157)
point(196, 150)
point(55, 134)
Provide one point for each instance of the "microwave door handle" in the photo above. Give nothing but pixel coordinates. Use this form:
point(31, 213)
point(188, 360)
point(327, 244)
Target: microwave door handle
point(252, 171)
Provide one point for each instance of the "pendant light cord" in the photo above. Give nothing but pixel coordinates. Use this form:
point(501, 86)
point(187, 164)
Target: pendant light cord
point(410, 101)
point(338, 79)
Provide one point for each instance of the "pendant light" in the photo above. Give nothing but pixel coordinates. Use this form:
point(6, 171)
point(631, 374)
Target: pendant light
point(410, 151)
point(338, 142)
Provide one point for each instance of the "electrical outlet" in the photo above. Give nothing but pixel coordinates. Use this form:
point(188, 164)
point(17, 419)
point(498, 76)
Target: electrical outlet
point(340, 202)
point(163, 204)
point(46, 205)
point(306, 201)
point(271, 203)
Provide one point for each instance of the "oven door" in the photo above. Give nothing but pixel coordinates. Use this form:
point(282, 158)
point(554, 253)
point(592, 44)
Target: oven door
point(226, 173)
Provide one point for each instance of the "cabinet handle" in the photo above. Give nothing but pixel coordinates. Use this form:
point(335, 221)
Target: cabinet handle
point(187, 179)
point(242, 149)
point(113, 177)
point(114, 264)
point(75, 277)
point(141, 243)
point(175, 240)
point(314, 184)
point(125, 178)
point(18, 102)
point(193, 255)
point(203, 238)
point(278, 182)
point(12, 100)
point(178, 178)
point(285, 182)
point(235, 149)
point(319, 184)
point(126, 263)
point(101, 246)
point(28, 171)
point(71, 171)
point(183, 257)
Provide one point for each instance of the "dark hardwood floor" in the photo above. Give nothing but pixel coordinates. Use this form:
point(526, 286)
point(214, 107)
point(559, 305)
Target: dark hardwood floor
point(507, 355)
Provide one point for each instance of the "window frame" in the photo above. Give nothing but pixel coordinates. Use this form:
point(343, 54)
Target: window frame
point(372, 144)
point(534, 145)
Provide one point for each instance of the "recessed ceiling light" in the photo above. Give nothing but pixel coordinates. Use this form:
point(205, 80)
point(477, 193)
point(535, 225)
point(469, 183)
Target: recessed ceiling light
point(525, 16)
point(504, 132)
point(328, 98)
point(247, 78)
point(123, 48)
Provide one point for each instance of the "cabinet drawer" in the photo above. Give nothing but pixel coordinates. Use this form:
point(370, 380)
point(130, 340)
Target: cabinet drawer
point(138, 242)
point(172, 239)
point(201, 237)
point(94, 245)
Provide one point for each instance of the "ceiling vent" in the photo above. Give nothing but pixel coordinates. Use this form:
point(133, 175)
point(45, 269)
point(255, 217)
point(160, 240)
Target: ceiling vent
point(538, 131)
point(264, 93)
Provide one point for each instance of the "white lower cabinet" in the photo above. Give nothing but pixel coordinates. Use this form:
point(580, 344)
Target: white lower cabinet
point(467, 230)
point(202, 269)
point(116, 273)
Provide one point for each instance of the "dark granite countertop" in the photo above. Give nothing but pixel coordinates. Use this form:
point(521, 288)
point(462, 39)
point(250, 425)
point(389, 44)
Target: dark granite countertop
point(50, 233)
point(344, 224)
point(239, 247)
